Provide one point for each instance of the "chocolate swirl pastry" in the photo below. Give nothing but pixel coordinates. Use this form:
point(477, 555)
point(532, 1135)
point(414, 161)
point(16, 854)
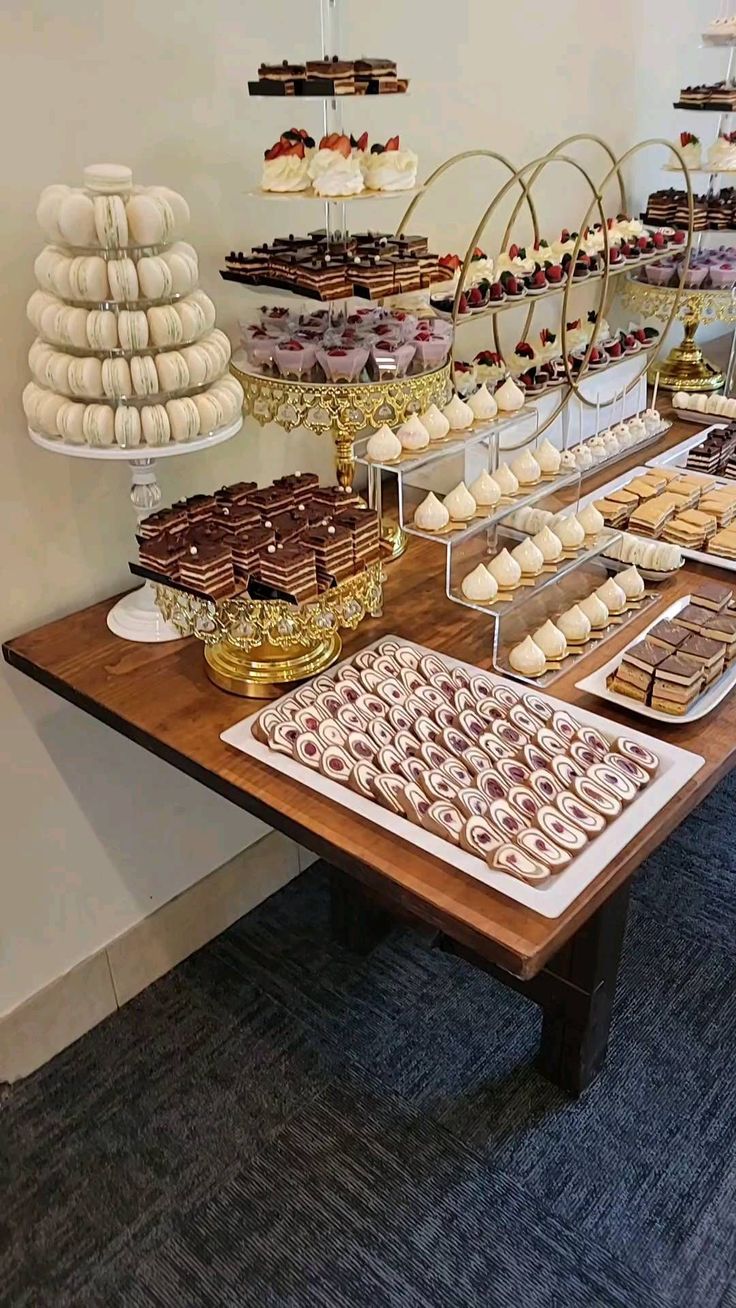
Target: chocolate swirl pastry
point(412, 768)
point(414, 803)
point(478, 837)
point(332, 733)
point(593, 739)
point(494, 748)
point(472, 803)
point(309, 749)
point(433, 754)
point(565, 770)
point(534, 758)
point(475, 760)
point(443, 819)
point(611, 779)
point(457, 772)
point(543, 850)
point(337, 763)
point(539, 708)
point(513, 771)
point(508, 823)
point(579, 813)
point(525, 802)
point(425, 729)
point(508, 858)
point(463, 700)
point(490, 785)
point(308, 718)
point(544, 784)
point(470, 724)
point(637, 753)
point(389, 759)
point(362, 778)
point(504, 695)
point(560, 830)
point(599, 799)
point(406, 658)
point(380, 731)
point(444, 716)
point(638, 775)
point(437, 785)
point(361, 747)
point(284, 738)
point(387, 790)
point(490, 710)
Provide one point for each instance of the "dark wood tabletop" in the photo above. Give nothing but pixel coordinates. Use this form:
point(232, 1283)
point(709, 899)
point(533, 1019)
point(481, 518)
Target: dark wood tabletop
point(161, 697)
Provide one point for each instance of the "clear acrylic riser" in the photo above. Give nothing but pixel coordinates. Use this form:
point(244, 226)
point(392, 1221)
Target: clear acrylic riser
point(546, 604)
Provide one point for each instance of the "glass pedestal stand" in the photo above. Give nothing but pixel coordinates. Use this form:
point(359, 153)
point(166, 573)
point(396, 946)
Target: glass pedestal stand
point(137, 616)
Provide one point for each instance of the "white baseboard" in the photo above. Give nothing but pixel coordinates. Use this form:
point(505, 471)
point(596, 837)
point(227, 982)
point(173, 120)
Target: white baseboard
point(71, 1005)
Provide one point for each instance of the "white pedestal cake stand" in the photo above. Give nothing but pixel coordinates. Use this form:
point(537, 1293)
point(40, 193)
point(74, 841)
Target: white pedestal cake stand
point(136, 616)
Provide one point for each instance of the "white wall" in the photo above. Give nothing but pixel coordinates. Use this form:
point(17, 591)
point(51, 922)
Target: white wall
point(95, 832)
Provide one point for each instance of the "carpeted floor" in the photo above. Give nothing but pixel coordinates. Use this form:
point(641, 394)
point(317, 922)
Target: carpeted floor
point(278, 1124)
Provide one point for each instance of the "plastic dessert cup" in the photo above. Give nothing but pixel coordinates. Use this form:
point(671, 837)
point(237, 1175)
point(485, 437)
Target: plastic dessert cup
point(659, 274)
point(260, 352)
point(695, 277)
point(722, 278)
point(342, 362)
point(431, 352)
point(295, 358)
point(393, 360)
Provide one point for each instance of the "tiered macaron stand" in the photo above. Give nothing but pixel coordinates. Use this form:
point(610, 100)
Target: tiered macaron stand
point(136, 616)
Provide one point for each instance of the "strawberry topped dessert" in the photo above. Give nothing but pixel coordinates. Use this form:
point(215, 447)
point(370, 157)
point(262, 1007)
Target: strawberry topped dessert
point(389, 167)
point(690, 149)
point(335, 168)
point(286, 164)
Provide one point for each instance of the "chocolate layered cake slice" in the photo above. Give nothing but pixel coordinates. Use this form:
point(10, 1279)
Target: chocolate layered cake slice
point(332, 546)
point(247, 546)
point(677, 684)
point(208, 568)
point(714, 595)
point(667, 635)
point(238, 493)
point(162, 554)
point(363, 525)
point(167, 522)
point(706, 654)
point(271, 500)
point(291, 569)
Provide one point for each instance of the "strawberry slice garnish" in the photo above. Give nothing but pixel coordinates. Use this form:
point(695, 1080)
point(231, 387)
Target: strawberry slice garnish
point(392, 143)
point(452, 261)
point(361, 143)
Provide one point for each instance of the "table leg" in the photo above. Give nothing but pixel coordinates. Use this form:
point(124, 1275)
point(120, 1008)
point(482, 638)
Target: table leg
point(357, 922)
point(577, 1019)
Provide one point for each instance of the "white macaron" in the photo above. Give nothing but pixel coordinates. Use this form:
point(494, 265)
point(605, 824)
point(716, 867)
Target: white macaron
point(184, 271)
point(211, 412)
point(173, 374)
point(32, 396)
point(102, 329)
point(214, 354)
point(70, 421)
point(156, 425)
point(208, 308)
point(111, 223)
point(44, 267)
point(38, 357)
point(77, 219)
point(133, 329)
point(177, 203)
point(57, 372)
point(38, 302)
point(143, 375)
point(150, 219)
point(165, 325)
point(98, 424)
point(65, 325)
point(230, 406)
point(123, 280)
point(154, 278)
point(61, 277)
point(116, 382)
point(183, 419)
point(198, 363)
point(47, 412)
point(85, 377)
point(192, 318)
point(128, 426)
point(51, 327)
point(47, 210)
point(88, 278)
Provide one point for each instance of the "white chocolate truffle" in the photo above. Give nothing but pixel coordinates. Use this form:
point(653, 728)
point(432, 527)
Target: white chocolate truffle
point(505, 570)
point(482, 404)
point(574, 625)
point(548, 544)
point(699, 403)
point(652, 419)
point(479, 585)
point(595, 611)
point(458, 414)
point(637, 429)
point(526, 469)
point(611, 444)
point(460, 503)
point(568, 462)
point(383, 446)
point(435, 423)
point(413, 434)
point(631, 583)
point(622, 434)
point(591, 520)
point(505, 479)
point(584, 456)
point(570, 531)
point(527, 658)
point(548, 458)
point(551, 641)
point(509, 397)
point(485, 490)
point(431, 515)
point(529, 558)
point(613, 596)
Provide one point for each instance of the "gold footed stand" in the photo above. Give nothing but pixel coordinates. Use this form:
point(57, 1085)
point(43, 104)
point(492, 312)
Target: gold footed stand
point(257, 648)
point(686, 367)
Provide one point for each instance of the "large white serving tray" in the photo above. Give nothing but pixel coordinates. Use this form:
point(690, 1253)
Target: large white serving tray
point(550, 899)
point(676, 457)
point(699, 556)
point(691, 415)
point(595, 684)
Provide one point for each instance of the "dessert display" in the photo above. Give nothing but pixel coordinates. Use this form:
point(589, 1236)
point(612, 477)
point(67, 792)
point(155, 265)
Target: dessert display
point(369, 265)
point(291, 540)
point(720, 96)
point(710, 269)
point(722, 153)
point(127, 353)
point(711, 212)
point(339, 166)
point(721, 31)
point(514, 779)
point(607, 445)
point(690, 149)
point(562, 537)
point(715, 406)
point(688, 509)
point(329, 77)
point(374, 345)
point(682, 656)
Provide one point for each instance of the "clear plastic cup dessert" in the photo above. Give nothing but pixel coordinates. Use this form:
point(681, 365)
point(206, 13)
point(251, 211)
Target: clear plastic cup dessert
point(431, 351)
point(295, 358)
point(342, 362)
point(393, 360)
point(659, 274)
point(723, 277)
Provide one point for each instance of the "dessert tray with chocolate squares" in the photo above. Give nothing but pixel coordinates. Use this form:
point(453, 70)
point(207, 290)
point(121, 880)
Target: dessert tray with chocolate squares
point(518, 790)
point(292, 540)
point(691, 509)
point(329, 78)
point(711, 451)
point(682, 665)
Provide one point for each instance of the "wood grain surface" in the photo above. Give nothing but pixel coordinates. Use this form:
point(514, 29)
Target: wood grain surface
point(160, 697)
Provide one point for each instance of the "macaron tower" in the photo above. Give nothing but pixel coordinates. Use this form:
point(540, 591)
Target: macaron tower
point(126, 352)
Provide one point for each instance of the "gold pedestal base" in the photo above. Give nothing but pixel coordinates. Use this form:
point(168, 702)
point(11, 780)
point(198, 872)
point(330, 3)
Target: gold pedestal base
point(686, 368)
point(264, 671)
point(394, 540)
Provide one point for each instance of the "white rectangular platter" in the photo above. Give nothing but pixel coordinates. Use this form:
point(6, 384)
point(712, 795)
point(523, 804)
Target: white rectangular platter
point(698, 556)
point(690, 415)
point(676, 457)
point(595, 684)
point(551, 898)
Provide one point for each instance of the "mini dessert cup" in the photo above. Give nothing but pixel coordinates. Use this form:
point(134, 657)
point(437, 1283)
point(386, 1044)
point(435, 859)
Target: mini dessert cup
point(259, 347)
point(295, 358)
point(387, 333)
point(343, 362)
point(393, 360)
point(695, 277)
point(431, 351)
point(659, 274)
point(723, 277)
point(276, 317)
point(406, 322)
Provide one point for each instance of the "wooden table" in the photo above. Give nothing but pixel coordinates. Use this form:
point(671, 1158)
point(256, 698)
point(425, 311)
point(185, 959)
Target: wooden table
point(160, 697)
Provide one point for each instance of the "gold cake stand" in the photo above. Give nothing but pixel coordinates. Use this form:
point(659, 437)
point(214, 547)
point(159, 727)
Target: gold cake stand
point(686, 367)
point(344, 410)
point(257, 647)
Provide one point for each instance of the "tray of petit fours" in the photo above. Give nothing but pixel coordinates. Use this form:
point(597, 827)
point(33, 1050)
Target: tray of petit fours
point(679, 506)
point(711, 452)
point(516, 789)
point(682, 665)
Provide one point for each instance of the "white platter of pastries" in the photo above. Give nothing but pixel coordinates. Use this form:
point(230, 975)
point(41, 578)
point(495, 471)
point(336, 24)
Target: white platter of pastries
point(516, 789)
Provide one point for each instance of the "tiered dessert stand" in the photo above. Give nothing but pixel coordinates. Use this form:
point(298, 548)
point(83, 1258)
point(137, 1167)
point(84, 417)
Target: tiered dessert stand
point(136, 616)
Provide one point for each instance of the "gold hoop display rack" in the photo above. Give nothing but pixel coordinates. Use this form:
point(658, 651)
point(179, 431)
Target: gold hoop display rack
point(686, 367)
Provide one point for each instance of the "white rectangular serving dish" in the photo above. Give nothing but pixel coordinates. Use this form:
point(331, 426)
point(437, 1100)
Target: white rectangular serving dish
point(690, 415)
point(595, 684)
point(677, 766)
point(676, 457)
point(698, 556)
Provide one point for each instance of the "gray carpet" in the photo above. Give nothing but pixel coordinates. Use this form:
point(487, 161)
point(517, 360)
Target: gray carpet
point(280, 1124)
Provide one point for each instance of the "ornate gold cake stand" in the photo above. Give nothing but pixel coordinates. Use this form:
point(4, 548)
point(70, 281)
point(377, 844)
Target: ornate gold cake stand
point(256, 647)
point(685, 368)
